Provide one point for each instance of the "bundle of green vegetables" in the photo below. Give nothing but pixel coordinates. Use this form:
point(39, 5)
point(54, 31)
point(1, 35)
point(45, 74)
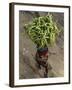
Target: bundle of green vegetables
point(42, 31)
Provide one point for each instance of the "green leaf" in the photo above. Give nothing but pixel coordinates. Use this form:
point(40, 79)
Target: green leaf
point(43, 31)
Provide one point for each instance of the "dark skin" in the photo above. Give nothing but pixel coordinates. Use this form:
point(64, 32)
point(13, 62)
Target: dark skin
point(42, 61)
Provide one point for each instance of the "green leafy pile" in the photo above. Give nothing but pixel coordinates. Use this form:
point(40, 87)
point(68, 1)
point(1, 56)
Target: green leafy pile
point(43, 31)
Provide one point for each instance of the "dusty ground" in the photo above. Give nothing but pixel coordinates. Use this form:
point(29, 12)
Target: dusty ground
point(27, 49)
